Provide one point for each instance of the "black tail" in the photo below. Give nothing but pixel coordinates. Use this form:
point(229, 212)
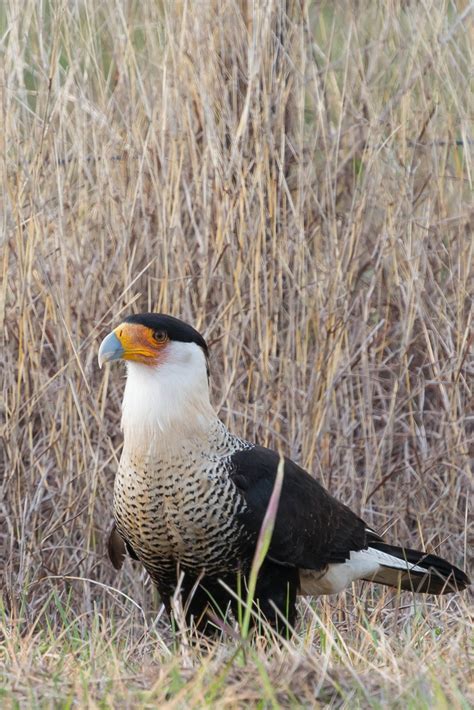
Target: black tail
point(417, 571)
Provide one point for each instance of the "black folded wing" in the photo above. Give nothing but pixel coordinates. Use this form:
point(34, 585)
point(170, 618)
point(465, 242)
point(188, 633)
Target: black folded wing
point(312, 529)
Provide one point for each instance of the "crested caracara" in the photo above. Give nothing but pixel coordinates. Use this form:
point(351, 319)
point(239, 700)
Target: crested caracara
point(190, 496)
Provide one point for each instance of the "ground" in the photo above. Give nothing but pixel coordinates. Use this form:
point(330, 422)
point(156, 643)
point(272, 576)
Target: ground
point(294, 179)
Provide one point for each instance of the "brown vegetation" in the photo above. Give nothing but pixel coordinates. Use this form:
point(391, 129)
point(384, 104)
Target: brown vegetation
point(297, 183)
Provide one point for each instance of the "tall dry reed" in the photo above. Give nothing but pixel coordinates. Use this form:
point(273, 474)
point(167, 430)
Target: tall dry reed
point(295, 179)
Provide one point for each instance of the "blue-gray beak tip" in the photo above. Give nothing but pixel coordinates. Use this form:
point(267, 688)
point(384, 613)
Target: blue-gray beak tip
point(110, 349)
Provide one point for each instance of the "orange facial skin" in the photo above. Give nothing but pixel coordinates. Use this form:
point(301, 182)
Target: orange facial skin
point(140, 343)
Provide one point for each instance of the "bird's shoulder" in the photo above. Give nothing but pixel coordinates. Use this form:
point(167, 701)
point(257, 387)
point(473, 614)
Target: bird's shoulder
point(254, 471)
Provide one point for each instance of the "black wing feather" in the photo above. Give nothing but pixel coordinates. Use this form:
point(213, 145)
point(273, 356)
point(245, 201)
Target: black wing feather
point(312, 529)
point(117, 548)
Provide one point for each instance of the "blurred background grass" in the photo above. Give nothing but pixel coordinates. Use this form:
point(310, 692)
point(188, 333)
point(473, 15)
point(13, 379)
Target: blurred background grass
point(295, 179)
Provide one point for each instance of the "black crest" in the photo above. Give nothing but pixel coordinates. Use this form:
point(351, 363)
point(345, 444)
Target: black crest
point(175, 329)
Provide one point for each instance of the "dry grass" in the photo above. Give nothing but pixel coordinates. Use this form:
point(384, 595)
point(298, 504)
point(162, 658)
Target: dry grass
point(295, 178)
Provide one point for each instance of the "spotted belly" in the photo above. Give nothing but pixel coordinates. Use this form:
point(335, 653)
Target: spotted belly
point(183, 520)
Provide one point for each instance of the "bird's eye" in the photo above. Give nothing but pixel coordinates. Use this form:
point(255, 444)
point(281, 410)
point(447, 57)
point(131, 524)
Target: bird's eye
point(159, 335)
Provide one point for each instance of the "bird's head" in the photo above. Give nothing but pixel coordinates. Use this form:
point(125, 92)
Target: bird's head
point(167, 373)
point(152, 339)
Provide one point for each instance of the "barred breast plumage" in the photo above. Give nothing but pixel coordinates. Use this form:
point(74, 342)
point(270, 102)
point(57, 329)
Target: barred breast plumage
point(180, 508)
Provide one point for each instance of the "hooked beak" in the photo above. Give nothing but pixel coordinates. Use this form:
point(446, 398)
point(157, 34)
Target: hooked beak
point(110, 349)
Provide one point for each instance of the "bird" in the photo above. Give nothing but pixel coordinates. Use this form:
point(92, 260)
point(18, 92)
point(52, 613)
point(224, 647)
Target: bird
point(190, 498)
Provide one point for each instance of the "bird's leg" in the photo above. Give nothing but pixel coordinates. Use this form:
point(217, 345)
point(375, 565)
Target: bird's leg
point(275, 597)
point(275, 593)
point(205, 601)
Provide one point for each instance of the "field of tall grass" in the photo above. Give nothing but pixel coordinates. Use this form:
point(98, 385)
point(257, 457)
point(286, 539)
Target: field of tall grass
point(294, 178)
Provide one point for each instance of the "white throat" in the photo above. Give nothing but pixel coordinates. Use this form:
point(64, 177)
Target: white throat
point(166, 405)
